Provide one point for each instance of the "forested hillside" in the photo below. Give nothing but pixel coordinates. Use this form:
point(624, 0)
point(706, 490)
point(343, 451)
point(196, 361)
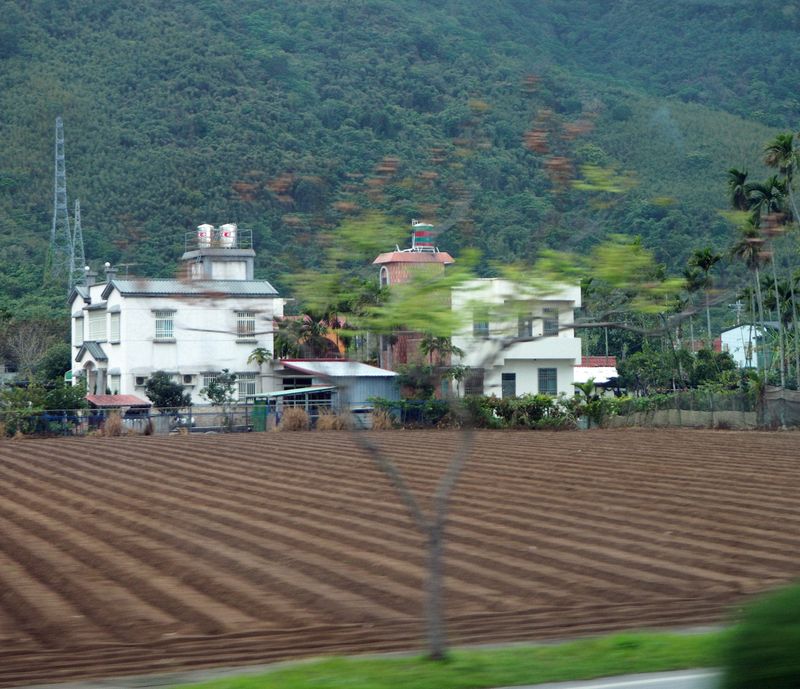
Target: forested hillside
point(285, 116)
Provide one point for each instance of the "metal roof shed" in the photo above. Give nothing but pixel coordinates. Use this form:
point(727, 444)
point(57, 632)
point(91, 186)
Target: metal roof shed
point(356, 382)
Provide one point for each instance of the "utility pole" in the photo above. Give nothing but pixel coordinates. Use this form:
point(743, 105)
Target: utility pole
point(77, 257)
point(61, 256)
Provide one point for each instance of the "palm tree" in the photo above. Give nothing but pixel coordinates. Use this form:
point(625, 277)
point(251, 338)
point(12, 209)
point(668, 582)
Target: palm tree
point(766, 198)
point(749, 250)
point(737, 189)
point(781, 154)
point(260, 356)
point(694, 283)
point(704, 260)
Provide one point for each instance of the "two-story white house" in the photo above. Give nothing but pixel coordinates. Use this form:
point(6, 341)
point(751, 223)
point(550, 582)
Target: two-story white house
point(496, 314)
point(209, 318)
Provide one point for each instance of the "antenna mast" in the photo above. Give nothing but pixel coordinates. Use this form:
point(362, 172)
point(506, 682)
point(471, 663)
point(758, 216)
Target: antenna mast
point(77, 257)
point(61, 257)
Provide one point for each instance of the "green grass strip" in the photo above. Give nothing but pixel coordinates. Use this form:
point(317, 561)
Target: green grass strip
point(477, 669)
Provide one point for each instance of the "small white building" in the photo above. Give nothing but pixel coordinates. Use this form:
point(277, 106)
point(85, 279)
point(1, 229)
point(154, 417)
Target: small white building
point(210, 318)
point(746, 343)
point(499, 313)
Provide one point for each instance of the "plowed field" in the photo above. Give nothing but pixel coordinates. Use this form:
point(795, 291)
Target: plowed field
point(131, 555)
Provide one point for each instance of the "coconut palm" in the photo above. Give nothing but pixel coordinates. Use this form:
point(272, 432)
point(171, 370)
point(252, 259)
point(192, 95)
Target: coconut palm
point(704, 260)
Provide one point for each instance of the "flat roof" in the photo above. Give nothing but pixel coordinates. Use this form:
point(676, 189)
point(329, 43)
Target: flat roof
point(336, 368)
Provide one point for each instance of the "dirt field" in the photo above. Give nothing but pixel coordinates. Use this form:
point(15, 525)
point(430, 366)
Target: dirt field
point(131, 555)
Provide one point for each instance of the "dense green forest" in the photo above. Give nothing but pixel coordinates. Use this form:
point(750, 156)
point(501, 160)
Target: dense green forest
point(285, 116)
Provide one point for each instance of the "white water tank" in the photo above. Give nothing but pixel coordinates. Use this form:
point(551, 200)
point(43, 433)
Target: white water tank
point(204, 234)
point(227, 235)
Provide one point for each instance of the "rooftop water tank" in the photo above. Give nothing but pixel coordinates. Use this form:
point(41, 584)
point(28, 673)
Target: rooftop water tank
point(204, 234)
point(227, 236)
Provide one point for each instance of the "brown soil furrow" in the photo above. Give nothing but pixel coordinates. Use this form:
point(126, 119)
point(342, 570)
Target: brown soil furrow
point(76, 582)
point(127, 564)
point(233, 565)
point(34, 613)
point(653, 529)
point(394, 638)
point(550, 574)
point(476, 567)
point(229, 541)
point(736, 510)
point(622, 564)
point(382, 559)
point(550, 534)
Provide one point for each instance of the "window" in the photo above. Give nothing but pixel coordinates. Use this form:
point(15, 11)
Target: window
point(473, 383)
point(113, 383)
point(246, 383)
point(246, 324)
point(548, 381)
point(294, 382)
point(509, 385)
point(549, 322)
point(384, 276)
point(78, 330)
point(480, 328)
point(164, 325)
point(209, 378)
point(113, 335)
point(97, 326)
point(525, 327)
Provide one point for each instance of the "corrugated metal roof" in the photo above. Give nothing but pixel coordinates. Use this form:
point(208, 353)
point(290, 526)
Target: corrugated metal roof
point(337, 369)
point(295, 391)
point(154, 287)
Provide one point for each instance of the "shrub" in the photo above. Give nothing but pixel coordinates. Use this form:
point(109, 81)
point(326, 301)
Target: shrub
point(112, 428)
point(762, 652)
point(329, 421)
point(294, 419)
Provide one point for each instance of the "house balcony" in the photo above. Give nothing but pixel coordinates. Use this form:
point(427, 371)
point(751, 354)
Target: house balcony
point(477, 351)
point(556, 347)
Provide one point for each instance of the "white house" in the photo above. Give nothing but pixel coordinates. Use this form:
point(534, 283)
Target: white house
point(210, 318)
point(545, 364)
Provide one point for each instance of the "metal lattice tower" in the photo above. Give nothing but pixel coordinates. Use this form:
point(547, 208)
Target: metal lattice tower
point(77, 257)
point(61, 257)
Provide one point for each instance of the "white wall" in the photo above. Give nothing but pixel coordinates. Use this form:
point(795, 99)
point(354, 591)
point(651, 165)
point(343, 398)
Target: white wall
point(561, 351)
point(736, 342)
point(204, 331)
point(527, 372)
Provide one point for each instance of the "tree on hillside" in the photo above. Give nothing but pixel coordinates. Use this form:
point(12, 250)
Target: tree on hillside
point(780, 153)
point(737, 189)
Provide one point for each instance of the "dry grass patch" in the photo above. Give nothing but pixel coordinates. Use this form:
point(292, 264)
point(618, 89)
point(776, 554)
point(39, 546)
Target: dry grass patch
point(294, 419)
